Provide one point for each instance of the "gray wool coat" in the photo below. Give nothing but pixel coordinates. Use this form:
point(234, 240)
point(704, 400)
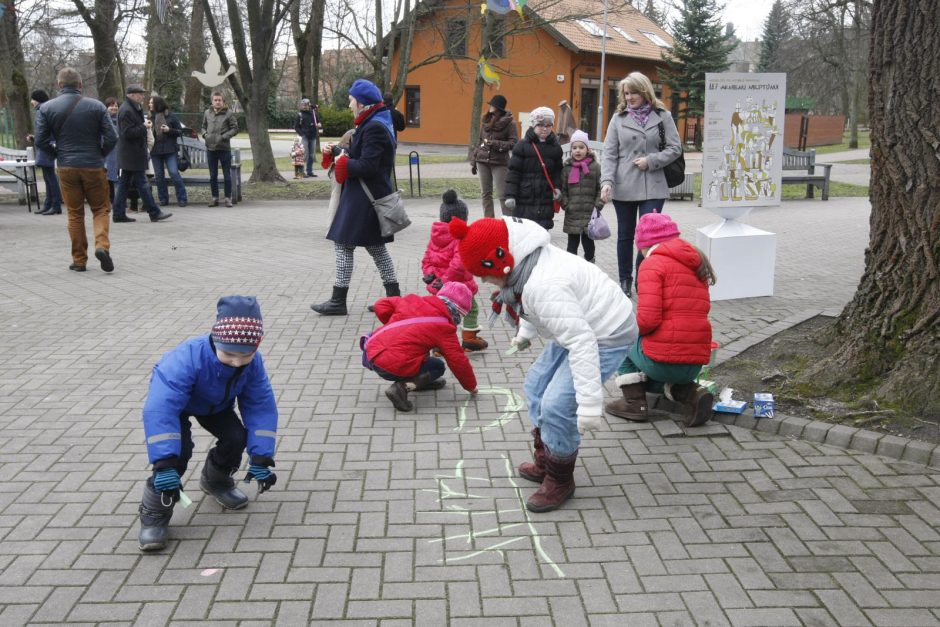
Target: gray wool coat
point(625, 142)
point(579, 200)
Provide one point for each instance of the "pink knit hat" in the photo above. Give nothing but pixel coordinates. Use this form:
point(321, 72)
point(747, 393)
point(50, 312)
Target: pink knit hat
point(655, 228)
point(580, 136)
point(459, 294)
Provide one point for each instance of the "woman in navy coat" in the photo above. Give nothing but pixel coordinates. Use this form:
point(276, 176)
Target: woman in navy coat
point(369, 162)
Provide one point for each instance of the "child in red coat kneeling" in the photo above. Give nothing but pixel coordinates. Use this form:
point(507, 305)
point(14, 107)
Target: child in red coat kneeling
point(399, 351)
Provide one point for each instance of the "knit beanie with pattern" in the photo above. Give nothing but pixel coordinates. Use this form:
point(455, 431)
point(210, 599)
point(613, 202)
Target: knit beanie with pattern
point(238, 327)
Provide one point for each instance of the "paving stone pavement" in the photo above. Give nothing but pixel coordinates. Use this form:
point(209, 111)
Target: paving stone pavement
point(383, 517)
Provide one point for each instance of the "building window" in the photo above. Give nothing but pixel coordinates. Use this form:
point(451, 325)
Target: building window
point(625, 34)
point(413, 106)
point(592, 27)
point(656, 39)
point(455, 38)
point(497, 47)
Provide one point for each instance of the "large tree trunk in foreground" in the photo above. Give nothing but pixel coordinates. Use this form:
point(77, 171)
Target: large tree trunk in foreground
point(888, 342)
point(13, 76)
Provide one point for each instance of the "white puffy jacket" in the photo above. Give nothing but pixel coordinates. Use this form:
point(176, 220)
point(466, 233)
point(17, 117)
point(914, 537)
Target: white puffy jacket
point(572, 302)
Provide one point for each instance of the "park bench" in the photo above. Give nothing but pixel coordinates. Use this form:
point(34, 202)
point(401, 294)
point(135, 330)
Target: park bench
point(684, 189)
point(198, 172)
point(12, 183)
point(794, 160)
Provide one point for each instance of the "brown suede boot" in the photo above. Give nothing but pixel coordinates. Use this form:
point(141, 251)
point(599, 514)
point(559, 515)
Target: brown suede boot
point(535, 470)
point(472, 342)
point(696, 402)
point(398, 394)
point(633, 404)
point(558, 485)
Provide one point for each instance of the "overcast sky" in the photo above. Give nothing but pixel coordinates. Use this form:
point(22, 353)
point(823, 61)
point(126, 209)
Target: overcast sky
point(747, 16)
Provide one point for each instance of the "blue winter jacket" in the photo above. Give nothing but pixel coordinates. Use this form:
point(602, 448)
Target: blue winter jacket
point(191, 381)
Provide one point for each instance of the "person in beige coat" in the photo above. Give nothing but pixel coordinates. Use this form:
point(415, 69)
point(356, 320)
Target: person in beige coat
point(631, 168)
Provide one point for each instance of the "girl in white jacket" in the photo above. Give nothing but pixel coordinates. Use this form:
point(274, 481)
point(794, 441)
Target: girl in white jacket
point(589, 326)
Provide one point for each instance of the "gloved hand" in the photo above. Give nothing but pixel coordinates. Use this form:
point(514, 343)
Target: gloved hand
point(556, 195)
point(167, 480)
point(473, 169)
point(259, 470)
point(428, 278)
point(520, 343)
point(437, 284)
point(340, 171)
point(510, 203)
point(589, 423)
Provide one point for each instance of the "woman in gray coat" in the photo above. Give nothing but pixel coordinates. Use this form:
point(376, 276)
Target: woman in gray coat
point(632, 167)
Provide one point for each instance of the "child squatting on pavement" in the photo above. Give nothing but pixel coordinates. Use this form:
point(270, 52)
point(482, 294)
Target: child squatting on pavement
point(675, 334)
point(399, 351)
point(442, 264)
point(589, 326)
point(202, 378)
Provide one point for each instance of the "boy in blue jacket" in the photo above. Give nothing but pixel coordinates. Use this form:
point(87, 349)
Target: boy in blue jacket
point(202, 378)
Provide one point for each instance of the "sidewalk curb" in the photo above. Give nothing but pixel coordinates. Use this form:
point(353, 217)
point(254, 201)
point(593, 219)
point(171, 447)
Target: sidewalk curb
point(832, 434)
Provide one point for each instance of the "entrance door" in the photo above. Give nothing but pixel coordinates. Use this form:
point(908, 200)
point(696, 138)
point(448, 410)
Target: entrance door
point(587, 116)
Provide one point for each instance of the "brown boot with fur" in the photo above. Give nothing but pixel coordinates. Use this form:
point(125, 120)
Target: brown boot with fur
point(535, 470)
point(398, 394)
point(633, 404)
point(696, 402)
point(557, 486)
point(472, 342)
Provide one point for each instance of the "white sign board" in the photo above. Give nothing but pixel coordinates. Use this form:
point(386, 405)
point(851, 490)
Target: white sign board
point(742, 151)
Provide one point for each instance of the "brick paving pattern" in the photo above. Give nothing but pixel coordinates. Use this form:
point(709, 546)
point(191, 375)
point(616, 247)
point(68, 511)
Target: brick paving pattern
point(383, 517)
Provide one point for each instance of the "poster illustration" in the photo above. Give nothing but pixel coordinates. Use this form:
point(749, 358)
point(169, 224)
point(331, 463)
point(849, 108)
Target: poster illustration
point(742, 152)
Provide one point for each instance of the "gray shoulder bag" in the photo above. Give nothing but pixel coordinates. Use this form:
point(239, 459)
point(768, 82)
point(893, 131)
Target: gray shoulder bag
point(390, 211)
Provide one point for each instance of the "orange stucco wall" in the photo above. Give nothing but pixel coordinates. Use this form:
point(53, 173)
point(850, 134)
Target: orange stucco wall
point(529, 72)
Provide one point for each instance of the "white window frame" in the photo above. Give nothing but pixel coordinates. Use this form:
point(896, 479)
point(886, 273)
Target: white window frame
point(625, 34)
point(592, 28)
point(656, 39)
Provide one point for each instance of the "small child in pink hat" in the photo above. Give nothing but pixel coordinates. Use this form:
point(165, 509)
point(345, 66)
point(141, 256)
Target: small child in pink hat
point(413, 326)
point(580, 194)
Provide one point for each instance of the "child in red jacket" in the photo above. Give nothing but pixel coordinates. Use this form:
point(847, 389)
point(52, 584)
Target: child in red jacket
point(675, 335)
point(413, 326)
point(442, 264)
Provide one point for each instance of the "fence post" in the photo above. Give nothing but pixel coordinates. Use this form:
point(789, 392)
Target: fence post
point(414, 160)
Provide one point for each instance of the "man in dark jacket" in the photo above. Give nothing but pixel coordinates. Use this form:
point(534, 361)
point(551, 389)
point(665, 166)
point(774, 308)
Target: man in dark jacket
point(308, 127)
point(78, 132)
point(133, 157)
point(398, 118)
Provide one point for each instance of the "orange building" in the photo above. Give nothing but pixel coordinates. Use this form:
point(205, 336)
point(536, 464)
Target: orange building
point(551, 55)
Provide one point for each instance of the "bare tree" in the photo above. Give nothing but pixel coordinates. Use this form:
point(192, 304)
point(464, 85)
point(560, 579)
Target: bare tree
point(254, 59)
point(192, 97)
point(13, 74)
point(104, 21)
point(888, 337)
point(308, 41)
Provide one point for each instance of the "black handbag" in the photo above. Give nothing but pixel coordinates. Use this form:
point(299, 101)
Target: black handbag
point(675, 171)
point(182, 158)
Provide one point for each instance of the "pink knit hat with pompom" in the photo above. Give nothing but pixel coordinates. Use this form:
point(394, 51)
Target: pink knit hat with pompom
point(655, 228)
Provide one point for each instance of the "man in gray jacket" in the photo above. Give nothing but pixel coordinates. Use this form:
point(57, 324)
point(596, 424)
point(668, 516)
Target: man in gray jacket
point(79, 133)
point(133, 157)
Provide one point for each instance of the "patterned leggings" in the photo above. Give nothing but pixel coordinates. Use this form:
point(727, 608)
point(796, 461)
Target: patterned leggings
point(344, 263)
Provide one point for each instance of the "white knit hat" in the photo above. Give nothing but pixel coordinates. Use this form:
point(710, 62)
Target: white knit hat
point(541, 115)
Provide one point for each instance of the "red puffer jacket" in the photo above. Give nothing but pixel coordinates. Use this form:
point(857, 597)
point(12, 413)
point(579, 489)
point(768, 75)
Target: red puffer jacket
point(442, 259)
point(402, 350)
point(673, 305)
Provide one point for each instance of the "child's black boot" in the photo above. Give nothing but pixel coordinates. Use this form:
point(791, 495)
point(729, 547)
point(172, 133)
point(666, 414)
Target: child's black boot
point(219, 484)
point(156, 509)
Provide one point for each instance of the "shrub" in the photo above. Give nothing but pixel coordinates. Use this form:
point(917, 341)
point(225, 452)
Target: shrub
point(335, 122)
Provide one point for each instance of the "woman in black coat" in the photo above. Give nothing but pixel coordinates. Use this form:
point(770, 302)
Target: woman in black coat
point(167, 130)
point(531, 190)
point(369, 162)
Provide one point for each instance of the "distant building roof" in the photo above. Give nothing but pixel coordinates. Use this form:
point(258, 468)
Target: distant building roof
point(629, 32)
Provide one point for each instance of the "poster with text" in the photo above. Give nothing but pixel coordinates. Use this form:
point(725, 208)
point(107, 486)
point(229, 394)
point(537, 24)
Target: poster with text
point(742, 149)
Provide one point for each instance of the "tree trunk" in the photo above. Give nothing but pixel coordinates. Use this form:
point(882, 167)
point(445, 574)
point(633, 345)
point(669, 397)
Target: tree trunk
point(888, 336)
point(192, 99)
point(316, 46)
point(103, 24)
point(301, 37)
point(405, 39)
point(379, 46)
point(13, 76)
point(476, 111)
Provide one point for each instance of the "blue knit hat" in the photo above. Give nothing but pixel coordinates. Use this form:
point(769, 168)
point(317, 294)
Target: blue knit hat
point(238, 326)
point(365, 92)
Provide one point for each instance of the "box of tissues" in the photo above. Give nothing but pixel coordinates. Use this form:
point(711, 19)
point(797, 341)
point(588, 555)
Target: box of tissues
point(763, 405)
point(727, 405)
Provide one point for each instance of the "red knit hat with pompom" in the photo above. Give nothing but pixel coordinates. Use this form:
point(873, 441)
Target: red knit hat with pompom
point(484, 246)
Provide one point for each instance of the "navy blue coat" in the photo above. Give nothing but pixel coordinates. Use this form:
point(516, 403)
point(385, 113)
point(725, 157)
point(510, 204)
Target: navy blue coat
point(191, 381)
point(371, 159)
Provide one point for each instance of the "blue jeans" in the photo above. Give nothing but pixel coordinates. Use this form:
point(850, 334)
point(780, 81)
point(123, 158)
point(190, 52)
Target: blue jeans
point(310, 145)
point(137, 179)
point(53, 193)
point(432, 366)
point(215, 158)
point(172, 167)
point(549, 390)
point(626, 230)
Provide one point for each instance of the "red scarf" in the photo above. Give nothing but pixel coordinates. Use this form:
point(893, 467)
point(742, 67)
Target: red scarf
point(367, 112)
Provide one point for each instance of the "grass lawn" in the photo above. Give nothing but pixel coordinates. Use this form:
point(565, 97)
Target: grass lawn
point(286, 163)
point(797, 191)
point(864, 141)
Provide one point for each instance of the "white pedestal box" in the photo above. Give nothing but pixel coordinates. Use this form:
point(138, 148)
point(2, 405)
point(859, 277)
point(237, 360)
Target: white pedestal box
point(743, 258)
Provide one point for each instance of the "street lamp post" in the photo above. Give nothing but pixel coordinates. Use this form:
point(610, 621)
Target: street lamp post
point(601, 90)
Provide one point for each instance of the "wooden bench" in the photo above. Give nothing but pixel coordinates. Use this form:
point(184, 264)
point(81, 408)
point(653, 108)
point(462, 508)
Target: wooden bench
point(198, 161)
point(685, 189)
point(806, 161)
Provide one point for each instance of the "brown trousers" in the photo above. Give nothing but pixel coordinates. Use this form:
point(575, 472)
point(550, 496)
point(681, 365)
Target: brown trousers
point(79, 185)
